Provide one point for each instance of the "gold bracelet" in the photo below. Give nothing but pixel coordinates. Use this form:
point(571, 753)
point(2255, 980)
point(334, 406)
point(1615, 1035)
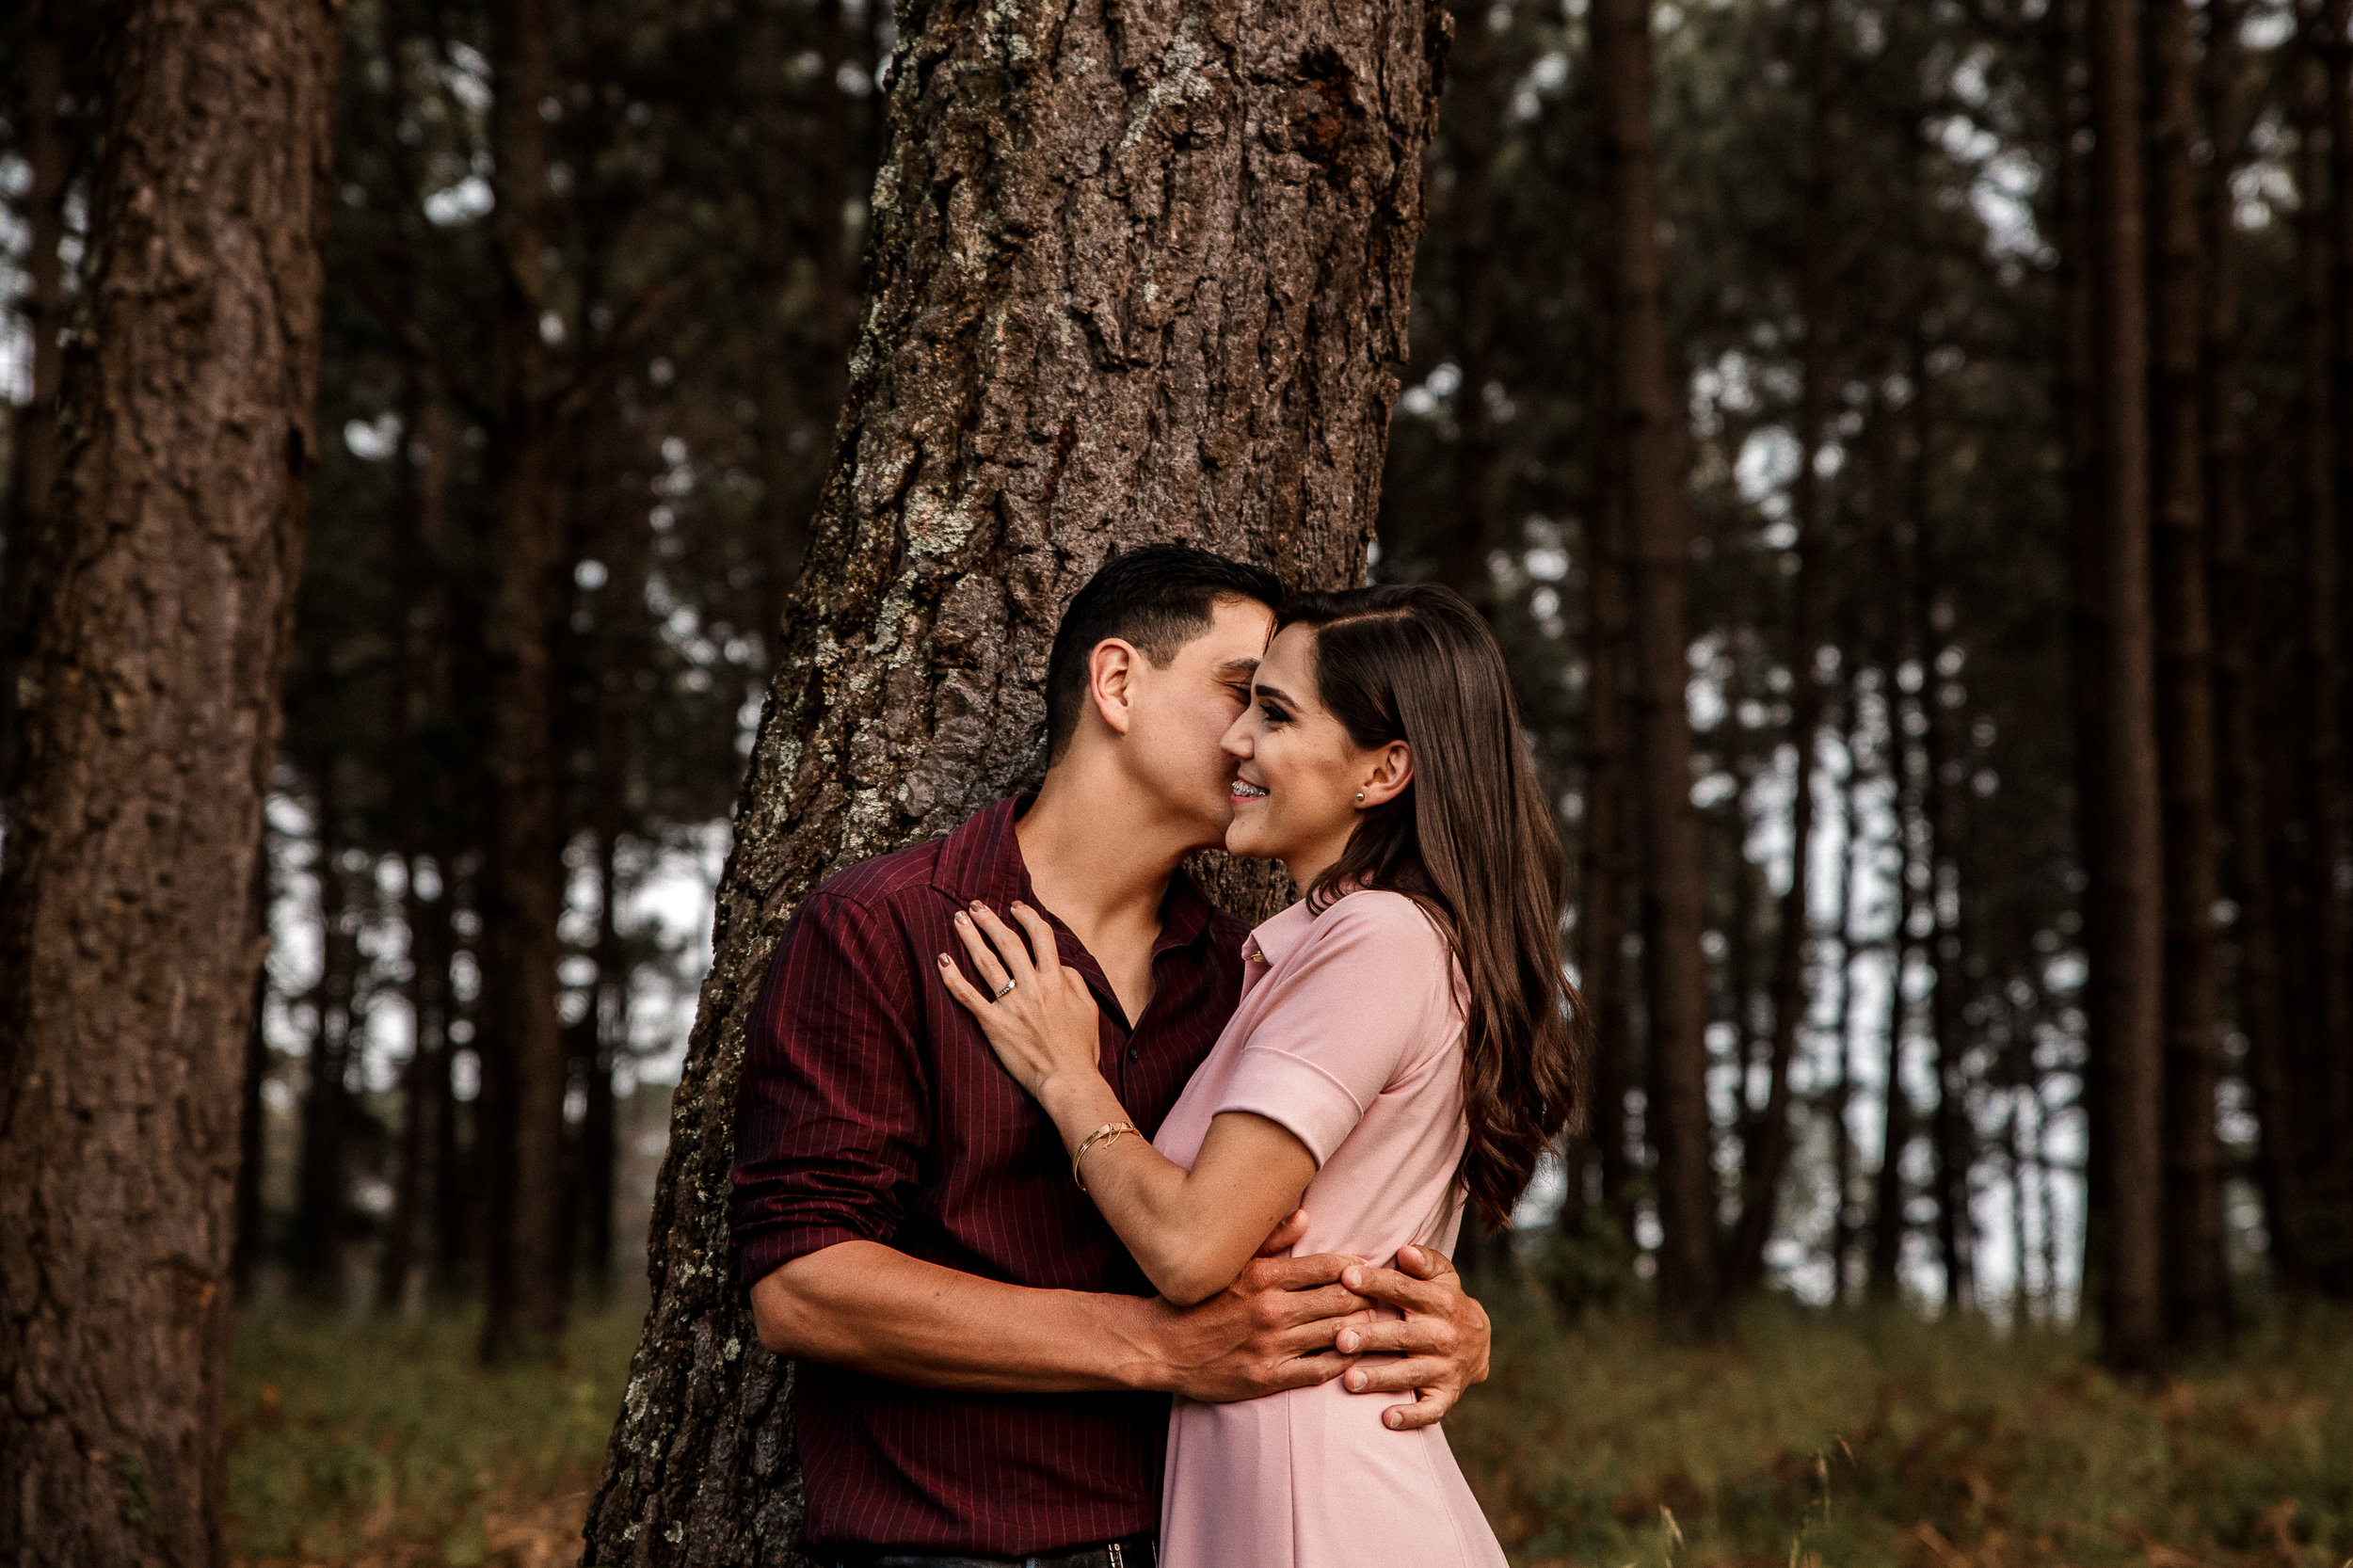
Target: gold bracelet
point(1101, 1134)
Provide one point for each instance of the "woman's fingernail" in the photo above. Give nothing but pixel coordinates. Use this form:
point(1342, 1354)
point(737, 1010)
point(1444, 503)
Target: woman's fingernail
point(962, 919)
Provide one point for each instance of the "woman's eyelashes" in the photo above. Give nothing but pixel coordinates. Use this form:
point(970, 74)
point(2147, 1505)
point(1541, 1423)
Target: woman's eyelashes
point(1274, 711)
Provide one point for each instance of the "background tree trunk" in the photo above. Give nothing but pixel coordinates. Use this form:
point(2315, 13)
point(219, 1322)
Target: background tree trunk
point(1471, 217)
point(127, 947)
point(522, 1040)
point(1952, 1134)
point(33, 441)
point(1601, 855)
point(1767, 1163)
point(1219, 371)
point(2323, 770)
point(1646, 421)
point(314, 1241)
point(2238, 689)
point(2127, 959)
point(2198, 1297)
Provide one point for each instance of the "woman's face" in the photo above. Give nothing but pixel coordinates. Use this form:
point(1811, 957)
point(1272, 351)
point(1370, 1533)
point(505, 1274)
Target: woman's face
point(1296, 789)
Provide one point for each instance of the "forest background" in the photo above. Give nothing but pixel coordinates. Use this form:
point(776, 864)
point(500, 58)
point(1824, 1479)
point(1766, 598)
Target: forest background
point(1907, 451)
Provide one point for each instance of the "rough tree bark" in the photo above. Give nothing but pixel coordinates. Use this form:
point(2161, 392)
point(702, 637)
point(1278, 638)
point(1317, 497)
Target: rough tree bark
point(1135, 275)
point(1646, 419)
point(521, 1039)
point(1768, 1160)
point(2126, 940)
point(163, 585)
point(2198, 1293)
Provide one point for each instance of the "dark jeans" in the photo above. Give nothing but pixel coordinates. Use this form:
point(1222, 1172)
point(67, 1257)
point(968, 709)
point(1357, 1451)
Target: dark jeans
point(1136, 1551)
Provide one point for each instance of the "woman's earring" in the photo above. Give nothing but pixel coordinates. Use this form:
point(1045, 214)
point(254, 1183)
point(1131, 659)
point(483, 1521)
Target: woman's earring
point(1360, 797)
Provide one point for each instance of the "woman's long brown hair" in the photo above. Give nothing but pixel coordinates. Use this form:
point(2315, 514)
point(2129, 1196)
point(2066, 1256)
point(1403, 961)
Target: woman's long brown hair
point(1471, 838)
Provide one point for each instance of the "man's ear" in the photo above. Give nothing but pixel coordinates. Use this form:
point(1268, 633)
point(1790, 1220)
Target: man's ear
point(1111, 675)
point(1392, 770)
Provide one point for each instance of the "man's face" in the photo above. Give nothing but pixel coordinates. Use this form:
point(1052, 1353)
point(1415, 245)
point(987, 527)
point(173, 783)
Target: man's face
point(1182, 711)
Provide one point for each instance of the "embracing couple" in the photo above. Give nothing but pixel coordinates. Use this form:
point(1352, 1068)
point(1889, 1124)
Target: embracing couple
point(1031, 1137)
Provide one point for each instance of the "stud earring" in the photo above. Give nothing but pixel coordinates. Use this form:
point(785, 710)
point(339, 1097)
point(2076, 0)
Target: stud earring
point(1360, 797)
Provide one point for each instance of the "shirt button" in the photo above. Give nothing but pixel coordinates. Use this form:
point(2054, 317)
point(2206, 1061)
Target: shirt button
point(1135, 1053)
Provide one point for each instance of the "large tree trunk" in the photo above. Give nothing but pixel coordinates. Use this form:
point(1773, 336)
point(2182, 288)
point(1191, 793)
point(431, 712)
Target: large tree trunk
point(127, 951)
point(1133, 277)
point(47, 153)
point(2198, 1293)
point(2239, 696)
point(247, 1209)
point(2127, 935)
point(1767, 1162)
point(522, 1040)
point(1647, 417)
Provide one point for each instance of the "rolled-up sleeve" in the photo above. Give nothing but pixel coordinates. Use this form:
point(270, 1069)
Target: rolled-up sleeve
point(830, 1119)
point(1359, 1005)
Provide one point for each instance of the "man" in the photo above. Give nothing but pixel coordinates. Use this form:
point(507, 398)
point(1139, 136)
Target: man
point(984, 1367)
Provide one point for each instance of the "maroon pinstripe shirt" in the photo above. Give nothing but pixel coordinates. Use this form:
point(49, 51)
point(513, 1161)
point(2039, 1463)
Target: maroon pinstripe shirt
point(872, 1108)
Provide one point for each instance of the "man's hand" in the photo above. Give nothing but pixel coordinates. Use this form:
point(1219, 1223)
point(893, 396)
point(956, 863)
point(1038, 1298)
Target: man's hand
point(1272, 1329)
point(1443, 1337)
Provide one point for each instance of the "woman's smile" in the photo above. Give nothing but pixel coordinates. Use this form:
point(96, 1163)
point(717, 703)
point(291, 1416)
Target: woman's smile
point(1244, 789)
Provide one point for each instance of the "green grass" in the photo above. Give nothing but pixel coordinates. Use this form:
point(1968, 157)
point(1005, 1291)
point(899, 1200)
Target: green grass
point(380, 1442)
point(1831, 1440)
point(1880, 1438)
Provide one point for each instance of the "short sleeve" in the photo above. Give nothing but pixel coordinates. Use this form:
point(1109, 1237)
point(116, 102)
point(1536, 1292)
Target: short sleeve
point(1346, 1015)
point(830, 1111)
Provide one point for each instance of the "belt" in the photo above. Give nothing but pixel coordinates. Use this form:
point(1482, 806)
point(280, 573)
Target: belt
point(1133, 1551)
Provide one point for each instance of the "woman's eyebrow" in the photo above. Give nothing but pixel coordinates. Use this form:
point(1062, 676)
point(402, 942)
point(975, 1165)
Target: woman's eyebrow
point(1276, 694)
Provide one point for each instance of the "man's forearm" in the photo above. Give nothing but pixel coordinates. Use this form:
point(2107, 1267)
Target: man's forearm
point(872, 1309)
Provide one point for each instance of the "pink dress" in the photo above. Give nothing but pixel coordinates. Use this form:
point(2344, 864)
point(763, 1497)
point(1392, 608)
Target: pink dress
point(1350, 1034)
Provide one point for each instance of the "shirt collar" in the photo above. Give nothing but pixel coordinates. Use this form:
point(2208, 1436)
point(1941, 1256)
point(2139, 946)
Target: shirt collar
point(982, 859)
point(1274, 940)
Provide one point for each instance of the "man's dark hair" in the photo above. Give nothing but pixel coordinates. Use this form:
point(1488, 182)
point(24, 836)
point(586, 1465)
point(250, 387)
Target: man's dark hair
point(1160, 598)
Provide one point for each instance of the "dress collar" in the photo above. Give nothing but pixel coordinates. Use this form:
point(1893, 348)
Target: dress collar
point(1276, 940)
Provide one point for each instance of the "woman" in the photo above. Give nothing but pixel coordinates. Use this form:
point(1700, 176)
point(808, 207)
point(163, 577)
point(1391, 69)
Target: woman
point(1404, 1041)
